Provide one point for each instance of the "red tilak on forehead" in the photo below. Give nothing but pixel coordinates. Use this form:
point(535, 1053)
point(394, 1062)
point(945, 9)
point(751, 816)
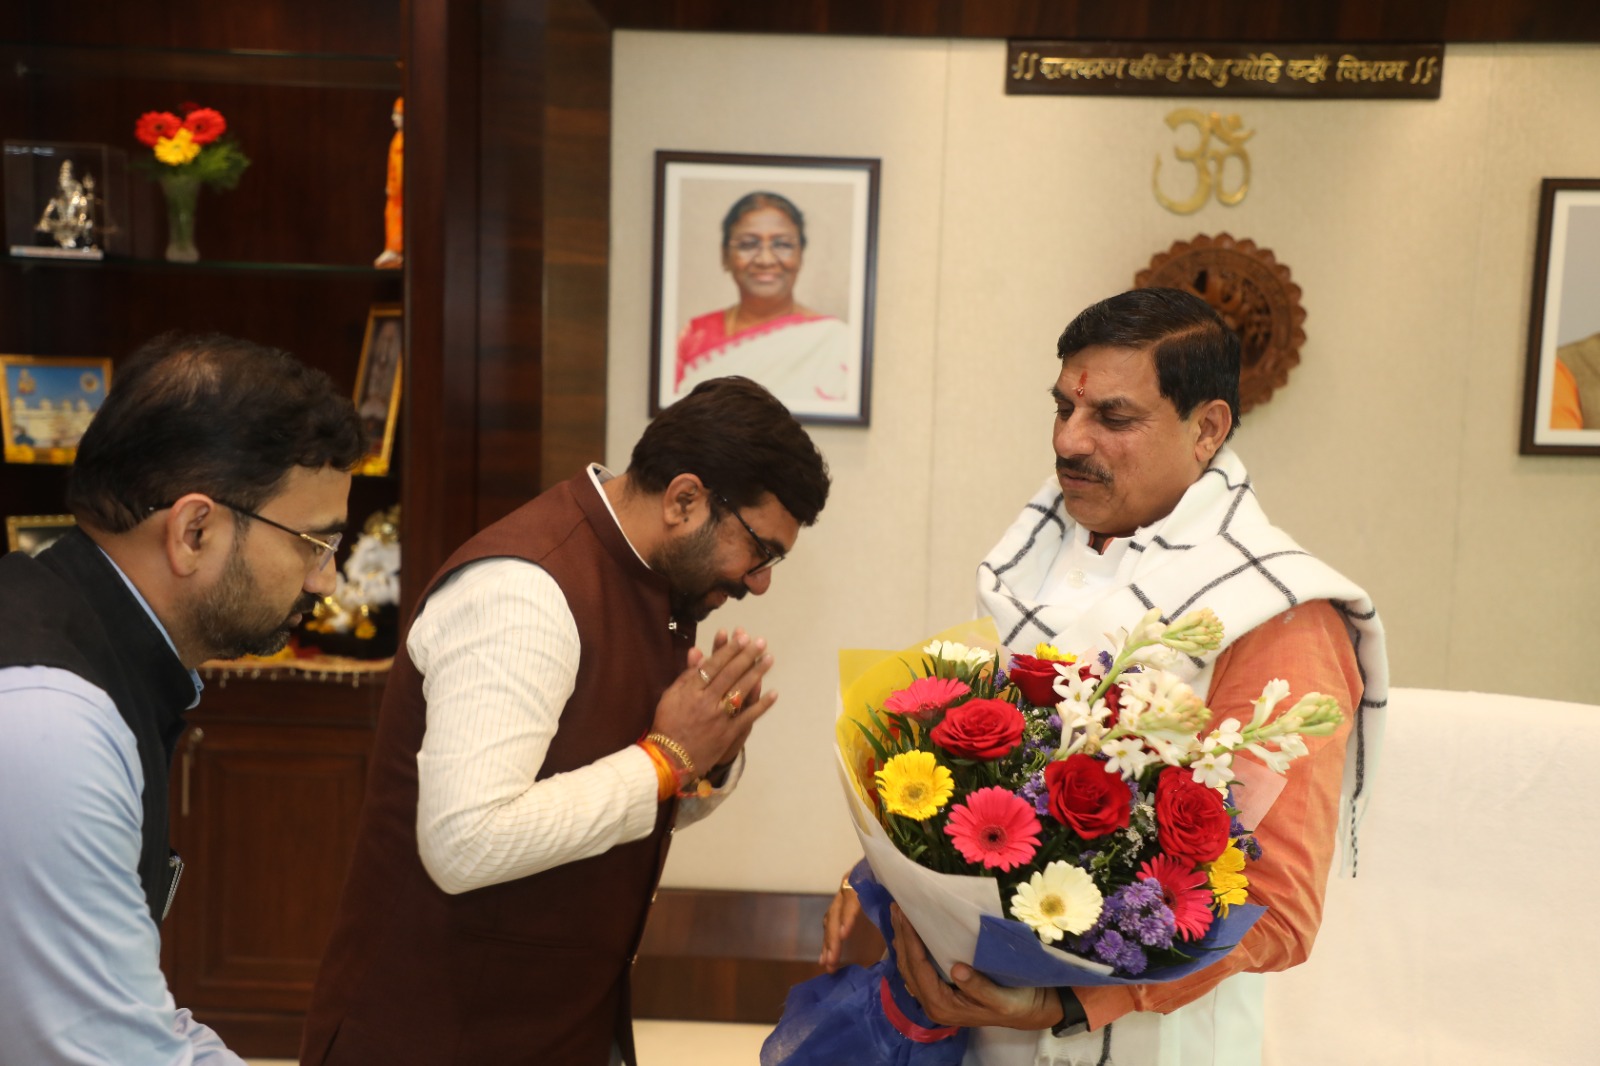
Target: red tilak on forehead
point(1082, 379)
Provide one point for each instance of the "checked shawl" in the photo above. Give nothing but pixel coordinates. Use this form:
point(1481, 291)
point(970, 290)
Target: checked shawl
point(1216, 549)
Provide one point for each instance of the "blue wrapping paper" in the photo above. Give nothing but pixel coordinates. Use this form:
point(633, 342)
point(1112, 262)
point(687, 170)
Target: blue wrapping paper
point(1009, 953)
point(838, 1018)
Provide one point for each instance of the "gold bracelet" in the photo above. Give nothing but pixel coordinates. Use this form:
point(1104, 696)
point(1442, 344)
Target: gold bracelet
point(676, 749)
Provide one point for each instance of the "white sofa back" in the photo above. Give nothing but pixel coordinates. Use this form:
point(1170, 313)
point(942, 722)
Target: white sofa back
point(1471, 933)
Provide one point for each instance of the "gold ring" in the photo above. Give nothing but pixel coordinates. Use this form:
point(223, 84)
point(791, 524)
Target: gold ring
point(732, 702)
point(705, 678)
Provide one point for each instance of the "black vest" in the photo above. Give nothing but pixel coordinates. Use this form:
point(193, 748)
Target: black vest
point(77, 614)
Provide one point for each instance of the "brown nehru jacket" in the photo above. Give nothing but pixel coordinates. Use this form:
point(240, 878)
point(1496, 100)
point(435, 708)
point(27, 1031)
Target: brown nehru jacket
point(527, 971)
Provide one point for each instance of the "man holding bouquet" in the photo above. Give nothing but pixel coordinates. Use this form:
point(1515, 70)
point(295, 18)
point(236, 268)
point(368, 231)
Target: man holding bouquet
point(546, 726)
point(1149, 507)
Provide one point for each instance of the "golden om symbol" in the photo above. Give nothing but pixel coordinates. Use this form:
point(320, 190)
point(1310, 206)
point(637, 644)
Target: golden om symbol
point(1208, 162)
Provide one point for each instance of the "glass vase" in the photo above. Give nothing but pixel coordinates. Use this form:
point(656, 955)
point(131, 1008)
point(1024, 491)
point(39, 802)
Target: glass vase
point(182, 191)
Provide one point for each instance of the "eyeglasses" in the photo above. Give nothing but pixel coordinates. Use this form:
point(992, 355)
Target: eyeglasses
point(769, 558)
point(321, 550)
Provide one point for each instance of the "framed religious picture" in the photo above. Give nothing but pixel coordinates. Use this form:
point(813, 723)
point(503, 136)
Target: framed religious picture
point(764, 267)
point(1561, 397)
point(33, 533)
point(378, 385)
point(46, 404)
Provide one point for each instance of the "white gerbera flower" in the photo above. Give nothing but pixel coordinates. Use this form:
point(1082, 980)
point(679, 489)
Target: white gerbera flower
point(1059, 899)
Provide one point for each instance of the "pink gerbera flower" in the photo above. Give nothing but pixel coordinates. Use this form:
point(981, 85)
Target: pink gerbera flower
point(925, 696)
point(995, 827)
point(1184, 891)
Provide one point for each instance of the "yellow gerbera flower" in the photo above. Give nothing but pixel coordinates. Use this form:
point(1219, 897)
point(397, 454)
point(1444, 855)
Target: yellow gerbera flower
point(177, 149)
point(914, 785)
point(1051, 653)
point(1228, 882)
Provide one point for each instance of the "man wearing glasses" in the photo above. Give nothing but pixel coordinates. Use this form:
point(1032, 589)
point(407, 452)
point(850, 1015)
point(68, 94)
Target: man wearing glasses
point(547, 724)
point(209, 492)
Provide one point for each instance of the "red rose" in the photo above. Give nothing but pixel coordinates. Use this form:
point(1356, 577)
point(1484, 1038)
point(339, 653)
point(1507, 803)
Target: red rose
point(1085, 797)
point(205, 124)
point(979, 729)
point(154, 125)
point(1036, 678)
point(1191, 820)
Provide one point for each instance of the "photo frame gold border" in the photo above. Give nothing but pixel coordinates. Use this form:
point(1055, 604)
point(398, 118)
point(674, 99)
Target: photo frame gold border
point(376, 462)
point(18, 523)
point(27, 454)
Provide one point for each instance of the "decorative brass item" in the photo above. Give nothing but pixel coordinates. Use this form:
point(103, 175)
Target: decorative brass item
point(1252, 291)
point(1208, 162)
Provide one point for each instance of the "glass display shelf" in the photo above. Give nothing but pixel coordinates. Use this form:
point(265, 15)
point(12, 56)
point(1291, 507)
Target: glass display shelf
point(238, 66)
point(204, 266)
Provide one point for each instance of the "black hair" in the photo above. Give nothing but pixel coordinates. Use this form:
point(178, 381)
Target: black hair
point(206, 413)
point(1196, 354)
point(753, 201)
point(739, 441)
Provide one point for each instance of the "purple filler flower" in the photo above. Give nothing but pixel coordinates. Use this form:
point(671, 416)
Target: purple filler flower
point(1033, 791)
point(1134, 918)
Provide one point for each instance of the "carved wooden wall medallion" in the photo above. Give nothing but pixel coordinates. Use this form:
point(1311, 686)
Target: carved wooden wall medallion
point(1252, 291)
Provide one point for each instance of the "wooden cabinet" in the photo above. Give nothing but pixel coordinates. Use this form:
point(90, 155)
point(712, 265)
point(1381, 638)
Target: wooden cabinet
point(266, 792)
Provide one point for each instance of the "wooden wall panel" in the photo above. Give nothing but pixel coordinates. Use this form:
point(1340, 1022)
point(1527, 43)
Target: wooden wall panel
point(577, 193)
point(717, 956)
point(1249, 20)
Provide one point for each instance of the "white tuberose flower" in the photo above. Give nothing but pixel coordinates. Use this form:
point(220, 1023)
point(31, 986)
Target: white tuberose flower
point(1059, 899)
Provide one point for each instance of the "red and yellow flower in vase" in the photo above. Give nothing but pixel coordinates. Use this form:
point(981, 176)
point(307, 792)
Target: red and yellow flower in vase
point(187, 153)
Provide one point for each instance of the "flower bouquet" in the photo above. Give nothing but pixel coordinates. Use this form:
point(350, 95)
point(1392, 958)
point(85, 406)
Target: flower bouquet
point(1070, 819)
point(187, 153)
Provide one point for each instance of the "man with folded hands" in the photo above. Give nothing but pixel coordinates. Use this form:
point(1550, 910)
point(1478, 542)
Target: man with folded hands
point(546, 725)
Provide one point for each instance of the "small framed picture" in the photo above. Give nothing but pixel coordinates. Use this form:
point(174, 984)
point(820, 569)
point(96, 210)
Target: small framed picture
point(47, 403)
point(1561, 397)
point(378, 385)
point(764, 266)
point(33, 533)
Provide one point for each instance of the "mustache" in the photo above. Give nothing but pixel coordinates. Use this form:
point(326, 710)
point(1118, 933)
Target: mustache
point(304, 604)
point(1082, 468)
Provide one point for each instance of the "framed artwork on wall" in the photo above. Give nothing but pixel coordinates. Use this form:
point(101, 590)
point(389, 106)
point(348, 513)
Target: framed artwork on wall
point(33, 533)
point(378, 385)
point(47, 403)
point(764, 266)
point(1561, 397)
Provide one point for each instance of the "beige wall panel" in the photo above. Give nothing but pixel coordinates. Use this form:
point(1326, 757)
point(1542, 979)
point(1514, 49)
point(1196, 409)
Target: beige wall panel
point(1391, 453)
point(1527, 579)
point(860, 572)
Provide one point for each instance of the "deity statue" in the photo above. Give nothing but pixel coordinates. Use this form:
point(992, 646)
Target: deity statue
point(69, 215)
point(392, 188)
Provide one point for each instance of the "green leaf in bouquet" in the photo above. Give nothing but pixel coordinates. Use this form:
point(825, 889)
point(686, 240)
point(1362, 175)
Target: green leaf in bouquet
point(877, 748)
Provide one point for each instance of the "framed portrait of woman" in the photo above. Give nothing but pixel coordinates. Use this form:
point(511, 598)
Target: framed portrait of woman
point(764, 267)
point(1561, 394)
